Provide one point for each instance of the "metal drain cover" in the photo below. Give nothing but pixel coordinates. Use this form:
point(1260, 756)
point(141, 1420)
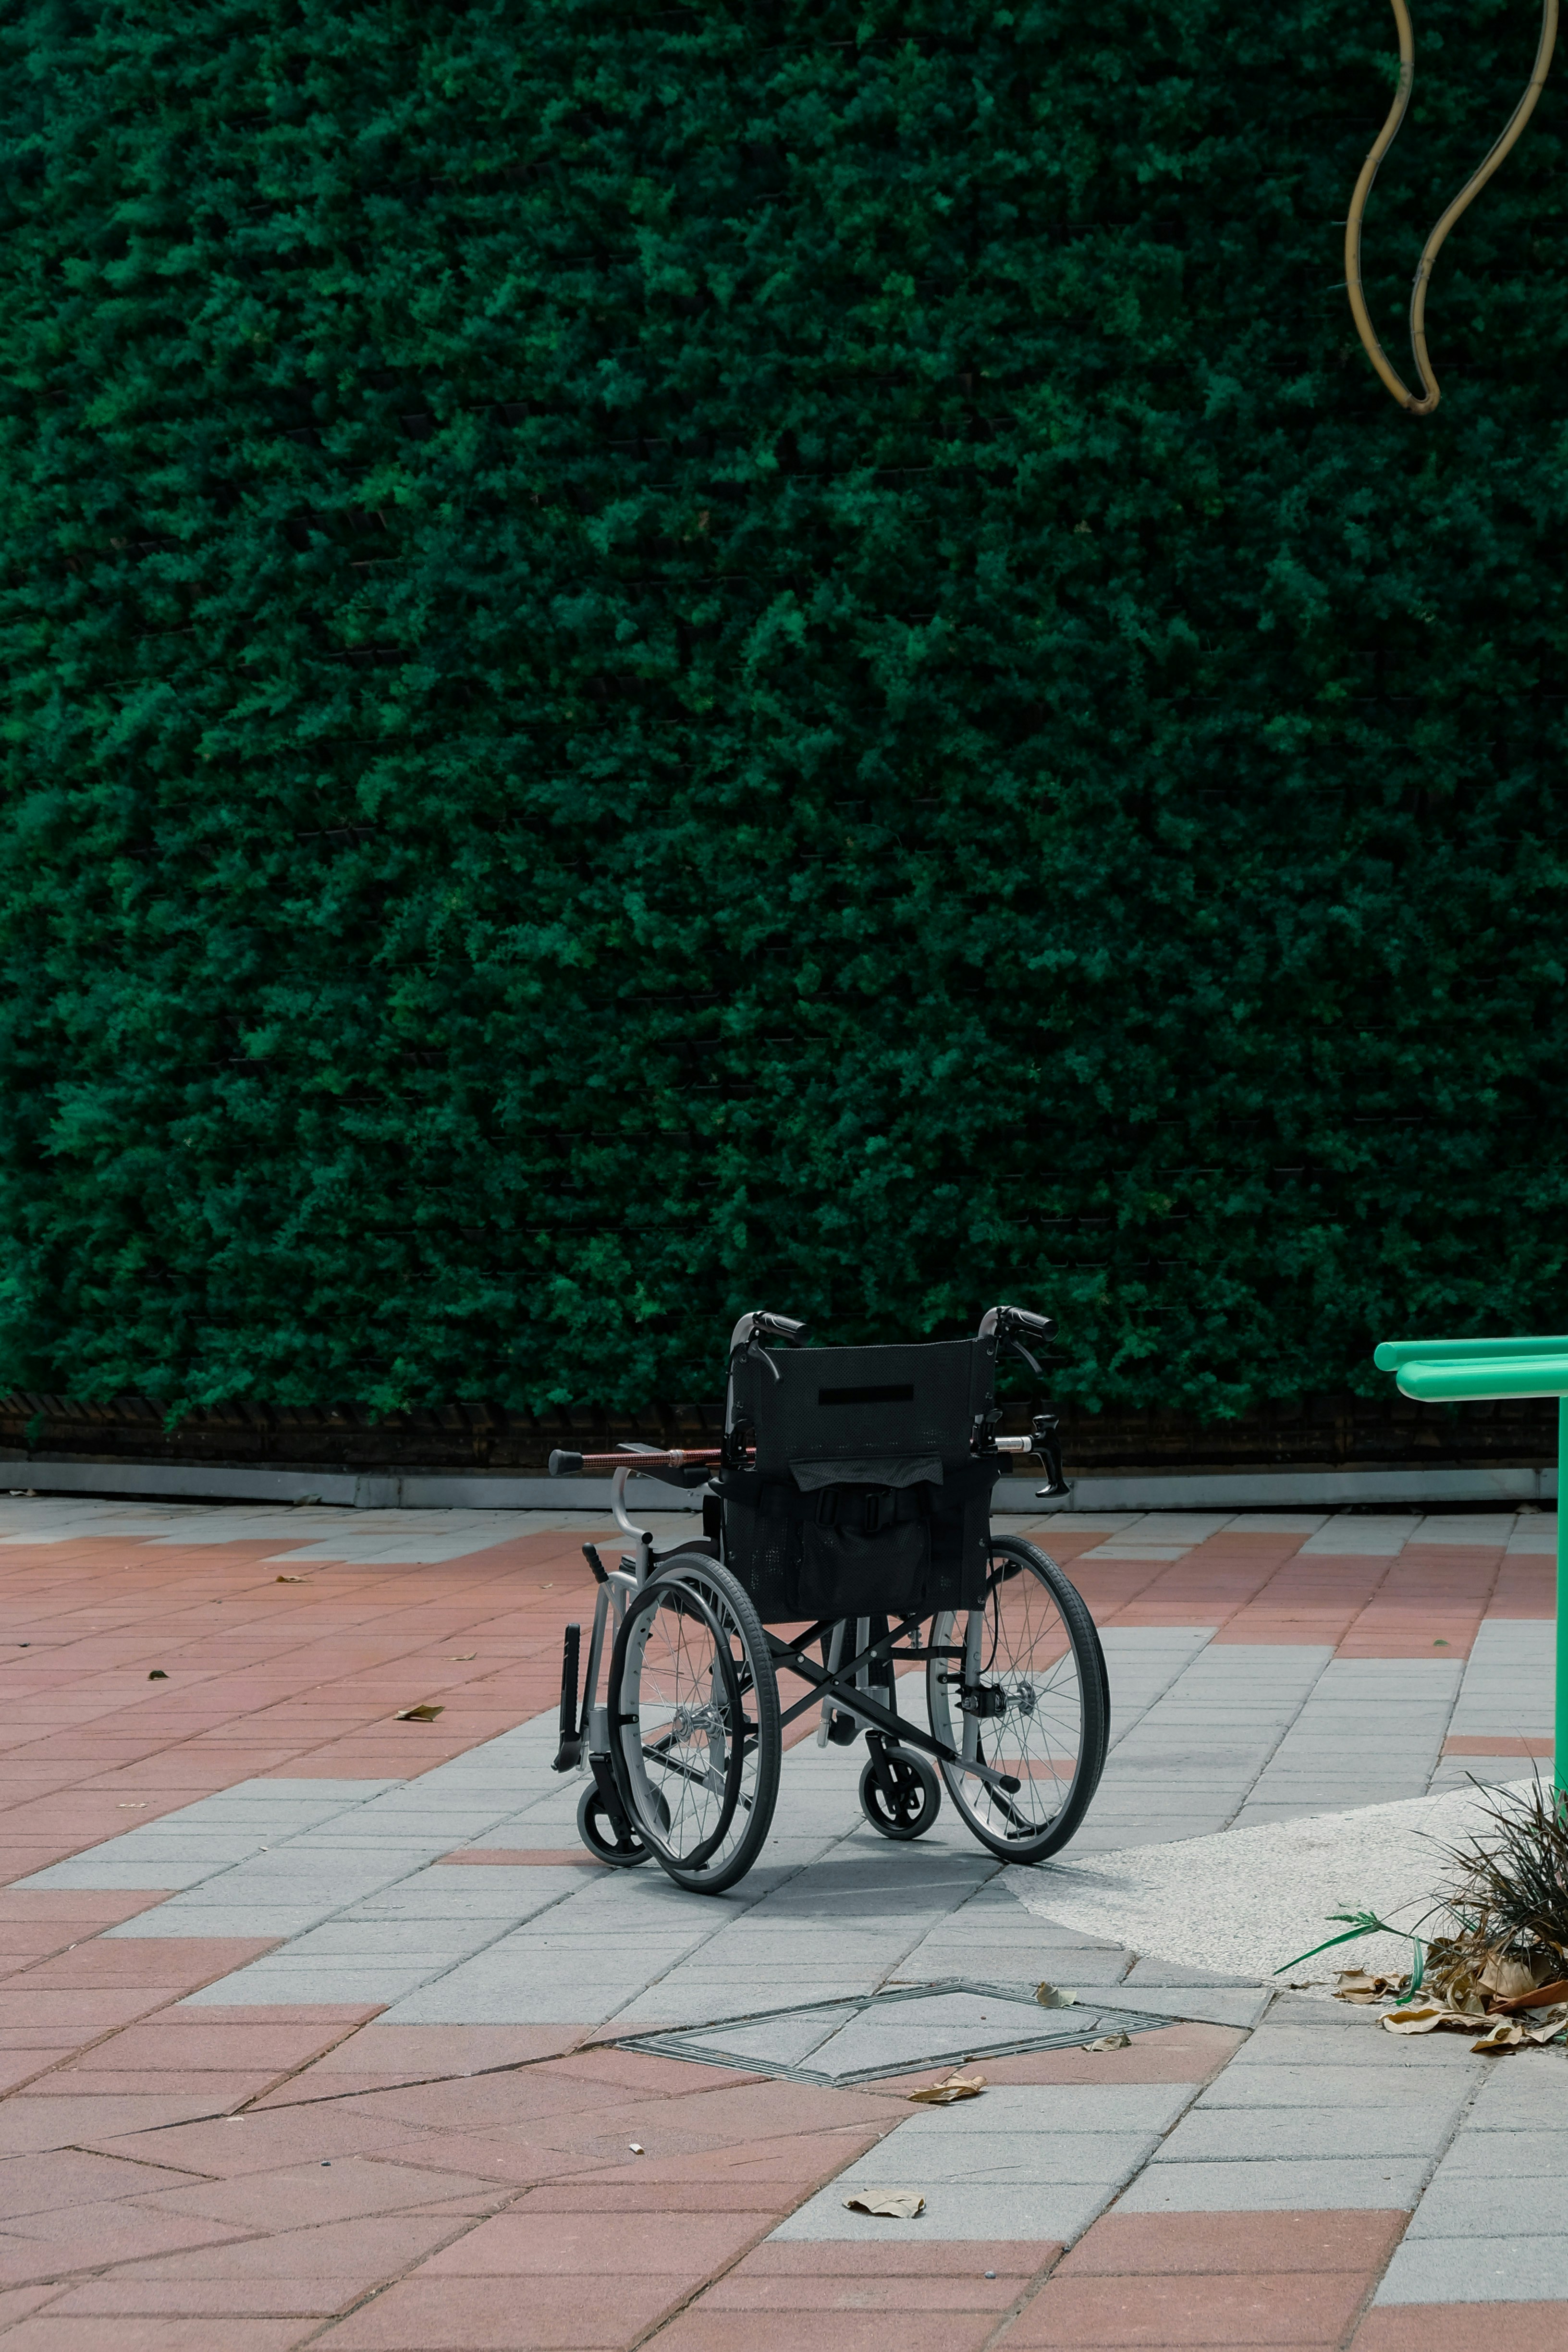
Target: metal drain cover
point(900, 2032)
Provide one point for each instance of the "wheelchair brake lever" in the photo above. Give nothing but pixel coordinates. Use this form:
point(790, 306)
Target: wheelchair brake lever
point(1043, 1429)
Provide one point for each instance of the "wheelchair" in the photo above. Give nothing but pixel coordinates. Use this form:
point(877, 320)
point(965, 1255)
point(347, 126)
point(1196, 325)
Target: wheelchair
point(846, 1534)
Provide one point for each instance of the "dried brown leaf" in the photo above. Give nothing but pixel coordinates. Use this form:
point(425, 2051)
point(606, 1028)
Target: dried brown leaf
point(1543, 1997)
point(1505, 1980)
point(948, 2091)
point(888, 2204)
point(1361, 1986)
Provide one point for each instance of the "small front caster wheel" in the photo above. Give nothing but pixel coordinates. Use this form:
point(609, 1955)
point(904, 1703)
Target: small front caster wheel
point(599, 1834)
point(909, 1806)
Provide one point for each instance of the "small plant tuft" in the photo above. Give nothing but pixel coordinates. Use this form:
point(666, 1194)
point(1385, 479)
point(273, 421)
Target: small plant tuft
point(1509, 1896)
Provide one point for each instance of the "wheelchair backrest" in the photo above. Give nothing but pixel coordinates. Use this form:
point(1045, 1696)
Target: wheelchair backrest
point(856, 1408)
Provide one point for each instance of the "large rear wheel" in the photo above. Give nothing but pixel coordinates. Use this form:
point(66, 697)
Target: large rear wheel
point(694, 1722)
point(1031, 1699)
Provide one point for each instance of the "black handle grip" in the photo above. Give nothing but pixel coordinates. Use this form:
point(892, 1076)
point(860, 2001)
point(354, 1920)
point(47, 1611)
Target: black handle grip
point(1020, 1318)
point(561, 1462)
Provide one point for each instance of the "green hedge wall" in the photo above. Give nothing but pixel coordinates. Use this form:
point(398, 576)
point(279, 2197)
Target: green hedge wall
point(666, 659)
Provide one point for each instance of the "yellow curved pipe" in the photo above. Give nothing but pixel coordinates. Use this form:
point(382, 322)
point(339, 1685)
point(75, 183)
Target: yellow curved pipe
point(1423, 403)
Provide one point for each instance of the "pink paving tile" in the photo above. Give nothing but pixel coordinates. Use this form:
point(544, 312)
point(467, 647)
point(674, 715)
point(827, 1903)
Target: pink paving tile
point(185, 1962)
point(770, 2200)
point(22, 2066)
point(1018, 2259)
point(38, 2118)
point(71, 2176)
point(1170, 2053)
point(347, 2258)
point(1455, 1641)
point(82, 2012)
point(87, 2237)
point(263, 2139)
point(505, 2158)
point(1464, 2328)
point(130, 2295)
point(1169, 2245)
point(788, 2167)
point(703, 2329)
point(215, 2085)
point(187, 2039)
point(735, 2111)
point(422, 2314)
point(17, 2302)
point(300, 2195)
point(563, 2245)
point(1498, 1745)
point(1288, 2307)
point(640, 2071)
point(1524, 1588)
point(967, 2291)
point(44, 2333)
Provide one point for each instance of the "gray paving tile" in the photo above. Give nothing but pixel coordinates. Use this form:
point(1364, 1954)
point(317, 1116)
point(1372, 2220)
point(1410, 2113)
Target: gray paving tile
point(237, 1920)
point(1355, 2184)
point(1332, 2086)
point(1517, 2095)
point(1458, 2206)
point(1042, 2214)
point(126, 1877)
point(780, 2042)
point(1053, 2108)
point(1016, 2159)
point(1506, 2155)
point(1226, 2135)
point(1197, 2004)
point(1307, 2047)
point(287, 1988)
point(1476, 2270)
point(1170, 1972)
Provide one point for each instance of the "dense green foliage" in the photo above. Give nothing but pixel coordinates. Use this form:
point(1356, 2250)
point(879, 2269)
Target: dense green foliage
point(659, 661)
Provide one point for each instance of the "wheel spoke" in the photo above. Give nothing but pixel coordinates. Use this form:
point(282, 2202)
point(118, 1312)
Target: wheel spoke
point(1027, 1713)
point(697, 1757)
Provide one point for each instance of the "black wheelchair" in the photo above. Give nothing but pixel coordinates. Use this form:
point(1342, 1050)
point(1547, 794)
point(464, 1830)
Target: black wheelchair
point(849, 1505)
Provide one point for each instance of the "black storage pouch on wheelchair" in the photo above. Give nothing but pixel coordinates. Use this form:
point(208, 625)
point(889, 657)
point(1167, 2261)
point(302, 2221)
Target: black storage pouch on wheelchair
point(866, 1550)
point(854, 1548)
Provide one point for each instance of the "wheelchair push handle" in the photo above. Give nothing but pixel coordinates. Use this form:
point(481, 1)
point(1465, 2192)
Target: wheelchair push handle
point(1015, 1322)
point(760, 1323)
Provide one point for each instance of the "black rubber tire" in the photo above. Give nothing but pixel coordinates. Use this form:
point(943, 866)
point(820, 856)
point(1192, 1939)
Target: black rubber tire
point(1009, 1557)
point(919, 1798)
point(724, 1599)
point(597, 1834)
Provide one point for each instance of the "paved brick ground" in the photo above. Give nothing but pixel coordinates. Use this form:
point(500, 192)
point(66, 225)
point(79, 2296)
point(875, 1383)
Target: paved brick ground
point(306, 2013)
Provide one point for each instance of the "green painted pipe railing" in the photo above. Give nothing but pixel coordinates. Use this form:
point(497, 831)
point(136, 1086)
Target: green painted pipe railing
point(1455, 1372)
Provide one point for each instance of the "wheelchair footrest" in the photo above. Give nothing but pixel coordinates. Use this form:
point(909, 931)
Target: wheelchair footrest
point(569, 1755)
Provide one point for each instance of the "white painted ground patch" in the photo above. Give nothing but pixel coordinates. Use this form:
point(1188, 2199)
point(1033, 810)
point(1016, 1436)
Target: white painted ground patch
point(1244, 1901)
